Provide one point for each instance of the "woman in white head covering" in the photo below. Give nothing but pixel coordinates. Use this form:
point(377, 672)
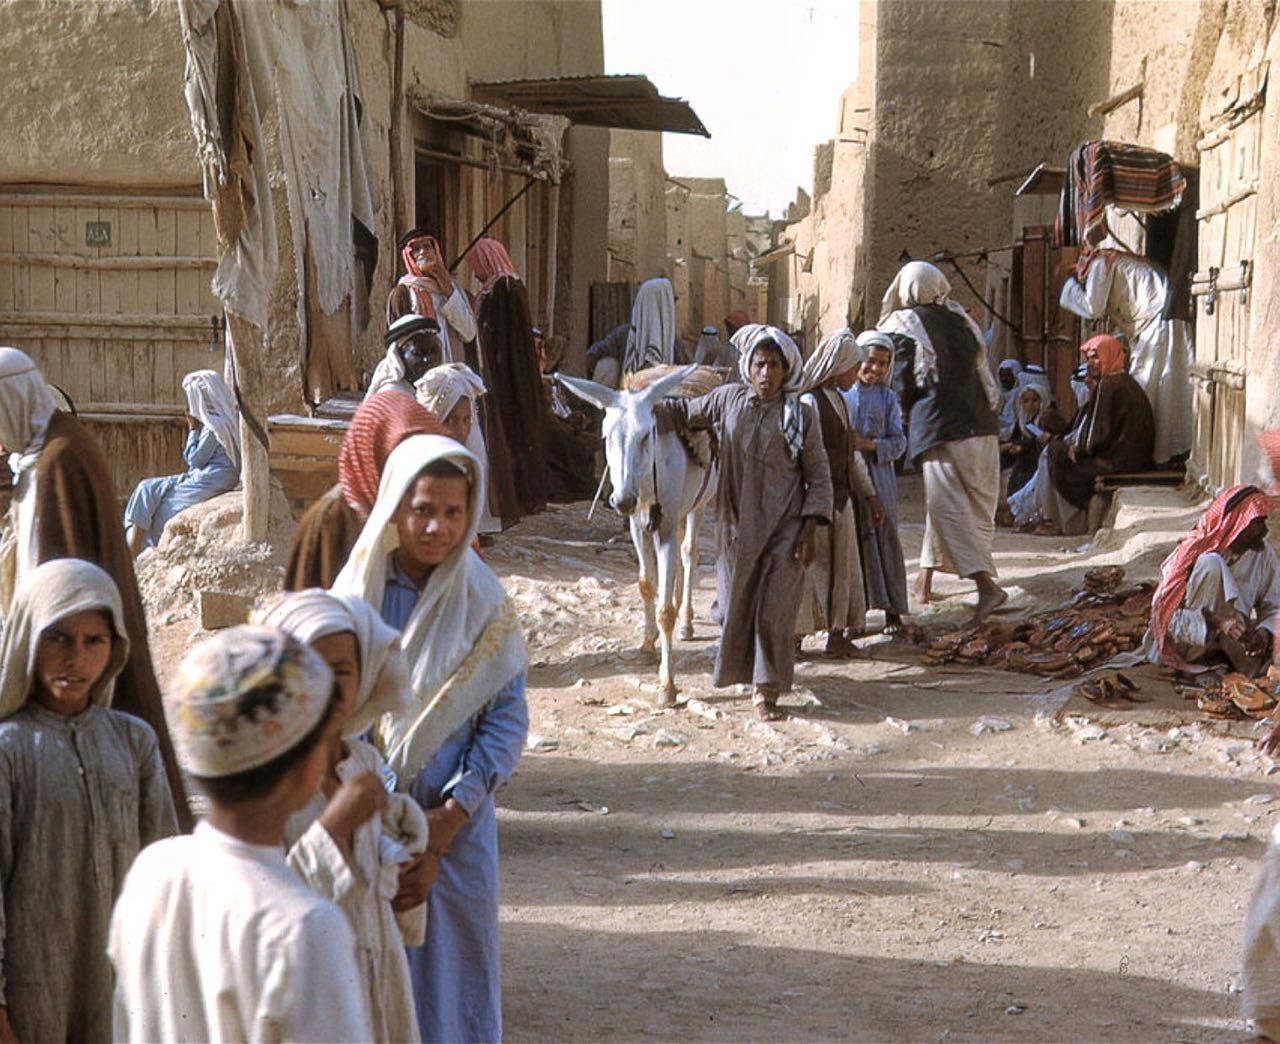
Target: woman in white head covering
point(774, 490)
point(333, 834)
point(66, 845)
point(212, 456)
point(651, 340)
point(834, 599)
point(466, 727)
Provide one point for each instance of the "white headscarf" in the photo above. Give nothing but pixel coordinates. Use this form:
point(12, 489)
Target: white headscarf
point(836, 353)
point(384, 672)
point(26, 406)
point(389, 374)
point(211, 402)
point(1008, 408)
point(651, 340)
point(920, 283)
point(750, 337)
point(51, 592)
point(440, 388)
point(869, 339)
point(463, 639)
point(1039, 381)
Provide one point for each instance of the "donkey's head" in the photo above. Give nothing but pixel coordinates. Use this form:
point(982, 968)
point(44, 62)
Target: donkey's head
point(629, 434)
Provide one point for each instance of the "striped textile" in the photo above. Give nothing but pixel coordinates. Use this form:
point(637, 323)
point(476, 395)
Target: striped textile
point(1102, 173)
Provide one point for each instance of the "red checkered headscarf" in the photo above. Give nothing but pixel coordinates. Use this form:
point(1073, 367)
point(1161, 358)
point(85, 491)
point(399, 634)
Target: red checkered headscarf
point(489, 261)
point(1224, 520)
point(380, 424)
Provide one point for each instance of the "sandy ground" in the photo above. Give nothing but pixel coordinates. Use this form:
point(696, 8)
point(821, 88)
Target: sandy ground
point(916, 854)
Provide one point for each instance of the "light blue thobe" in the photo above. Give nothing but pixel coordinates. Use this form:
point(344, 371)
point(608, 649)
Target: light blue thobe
point(456, 974)
point(155, 501)
point(874, 413)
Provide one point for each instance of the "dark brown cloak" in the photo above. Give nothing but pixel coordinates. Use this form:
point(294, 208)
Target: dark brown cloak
point(1116, 433)
point(514, 382)
point(78, 516)
point(326, 534)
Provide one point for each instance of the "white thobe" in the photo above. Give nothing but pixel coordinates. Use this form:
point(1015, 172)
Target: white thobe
point(363, 887)
point(214, 939)
point(1248, 584)
point(1131, 291)
point(457, 323)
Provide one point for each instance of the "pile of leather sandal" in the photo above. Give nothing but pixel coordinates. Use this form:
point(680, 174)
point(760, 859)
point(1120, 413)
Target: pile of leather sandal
point(1103, 619)
point(1237, 696)
point(1111, 690)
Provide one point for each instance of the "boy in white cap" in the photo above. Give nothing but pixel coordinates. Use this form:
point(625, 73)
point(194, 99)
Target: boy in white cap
point(214, 937)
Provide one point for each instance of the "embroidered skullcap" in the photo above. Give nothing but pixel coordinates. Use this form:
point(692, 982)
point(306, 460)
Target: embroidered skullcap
point(243, 698)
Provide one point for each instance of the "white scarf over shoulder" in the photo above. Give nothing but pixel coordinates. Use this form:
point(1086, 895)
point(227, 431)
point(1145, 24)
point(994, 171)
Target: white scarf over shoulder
point(920, 283)
point(211, 402)
point(463, 639)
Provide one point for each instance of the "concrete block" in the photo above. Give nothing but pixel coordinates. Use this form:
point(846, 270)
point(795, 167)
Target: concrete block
point(220, 609)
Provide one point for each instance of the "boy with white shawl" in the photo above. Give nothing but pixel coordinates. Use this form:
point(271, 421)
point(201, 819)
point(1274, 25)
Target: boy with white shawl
point(342, 851)
point(834, 597)
point(211, 453)
point(466, 730)
point(952, 434)
point(82, 791)
point(775, 490)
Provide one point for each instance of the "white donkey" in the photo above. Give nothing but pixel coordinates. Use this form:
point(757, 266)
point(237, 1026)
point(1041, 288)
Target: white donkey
point(663, 490)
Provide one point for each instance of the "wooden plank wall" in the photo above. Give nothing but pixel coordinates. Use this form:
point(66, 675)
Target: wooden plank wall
point(115, 323)
point(1230, 158)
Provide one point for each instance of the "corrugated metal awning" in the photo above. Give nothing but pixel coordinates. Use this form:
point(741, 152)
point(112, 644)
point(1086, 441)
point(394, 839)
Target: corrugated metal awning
point(627, 102)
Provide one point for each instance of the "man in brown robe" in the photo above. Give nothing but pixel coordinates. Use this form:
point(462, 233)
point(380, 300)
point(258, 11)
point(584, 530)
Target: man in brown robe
point(1115, 432)
point(775, 489)
point(64, 507)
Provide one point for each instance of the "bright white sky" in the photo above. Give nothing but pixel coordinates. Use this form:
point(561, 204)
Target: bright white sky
point(765, 76)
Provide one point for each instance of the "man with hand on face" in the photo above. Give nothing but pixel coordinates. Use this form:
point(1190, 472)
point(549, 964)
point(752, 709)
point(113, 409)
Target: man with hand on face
point(427, 289)
point(775, 489)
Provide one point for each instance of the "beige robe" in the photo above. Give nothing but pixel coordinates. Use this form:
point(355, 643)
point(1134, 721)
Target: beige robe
point(762, 499)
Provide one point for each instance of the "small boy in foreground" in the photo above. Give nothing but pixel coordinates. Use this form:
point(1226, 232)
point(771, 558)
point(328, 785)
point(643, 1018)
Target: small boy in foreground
point(214, 937)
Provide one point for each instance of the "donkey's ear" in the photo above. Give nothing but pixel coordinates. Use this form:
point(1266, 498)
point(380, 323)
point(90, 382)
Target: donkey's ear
point(666, 384)
point(597, 394)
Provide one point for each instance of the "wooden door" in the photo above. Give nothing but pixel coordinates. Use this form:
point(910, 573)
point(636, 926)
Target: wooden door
point(110, 294)
point(1230, 153)
point(1050, 334)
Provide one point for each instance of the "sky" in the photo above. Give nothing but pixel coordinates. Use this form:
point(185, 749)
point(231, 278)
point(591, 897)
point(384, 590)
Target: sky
point(765, 77)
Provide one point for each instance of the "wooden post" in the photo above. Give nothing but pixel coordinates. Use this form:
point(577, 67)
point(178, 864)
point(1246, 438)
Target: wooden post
point(245, 352)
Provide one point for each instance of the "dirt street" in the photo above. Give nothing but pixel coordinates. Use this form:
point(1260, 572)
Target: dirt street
point(917, 854)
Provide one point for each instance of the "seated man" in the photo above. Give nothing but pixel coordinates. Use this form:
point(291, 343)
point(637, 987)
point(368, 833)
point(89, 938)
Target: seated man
point(1219, 591)
point(1114, 433)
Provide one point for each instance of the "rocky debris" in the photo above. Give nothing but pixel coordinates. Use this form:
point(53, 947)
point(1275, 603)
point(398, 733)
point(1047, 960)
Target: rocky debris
point(1098, 622)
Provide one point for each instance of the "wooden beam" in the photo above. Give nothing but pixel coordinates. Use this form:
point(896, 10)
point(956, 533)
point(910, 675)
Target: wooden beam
point(109, 263)
point(1116, 100)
